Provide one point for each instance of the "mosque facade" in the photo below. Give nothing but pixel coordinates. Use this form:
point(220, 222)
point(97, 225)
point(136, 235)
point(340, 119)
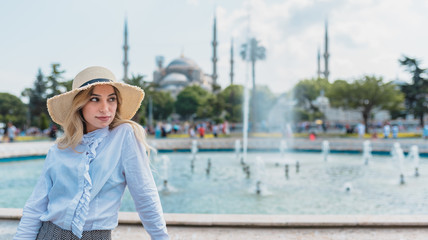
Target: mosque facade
point(180, 73)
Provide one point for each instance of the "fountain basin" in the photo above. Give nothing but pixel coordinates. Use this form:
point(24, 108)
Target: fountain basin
point(317, 189)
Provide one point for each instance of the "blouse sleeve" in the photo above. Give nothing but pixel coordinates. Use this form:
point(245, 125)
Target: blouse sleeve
point(35, 206)
point(142, 187)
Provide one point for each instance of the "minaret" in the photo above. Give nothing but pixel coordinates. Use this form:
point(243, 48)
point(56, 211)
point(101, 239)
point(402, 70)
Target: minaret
point(319, 63)
point(125, 50)
point(214, 59)
point(231, 62)
point(326, 54)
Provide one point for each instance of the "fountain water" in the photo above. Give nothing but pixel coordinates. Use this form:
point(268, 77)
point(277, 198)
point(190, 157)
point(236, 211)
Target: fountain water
point(398, 155)
point(237, 149)
point(367, 152)
point(208, 170)
point(325, 149)
point(259, 175)
point(164, 174)
point(286, 170)
point(282, 147)
point(347, 186)
point(194, 150)
point(414, 157)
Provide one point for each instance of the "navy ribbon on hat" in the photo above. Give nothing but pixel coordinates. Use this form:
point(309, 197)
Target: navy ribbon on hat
point(95, 81)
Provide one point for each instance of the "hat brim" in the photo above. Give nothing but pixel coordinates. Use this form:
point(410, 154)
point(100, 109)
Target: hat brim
point(132, 96)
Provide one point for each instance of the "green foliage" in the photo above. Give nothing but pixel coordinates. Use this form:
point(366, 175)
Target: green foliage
point(12, 109)
point(189, 100)
point(255, 51)
point(338, 92)
point(137, 80)
point(54, 81)
point(416, 93)
point(233, 97)
point(366, 95)
point(252, 52)
point(43, 121)
point(163, 104)
point(212, 107)
point(305, 92)
point(67, 85)
point(37, 98)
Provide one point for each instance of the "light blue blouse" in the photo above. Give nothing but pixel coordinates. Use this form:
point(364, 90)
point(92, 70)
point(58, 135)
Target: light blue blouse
point(82, 190)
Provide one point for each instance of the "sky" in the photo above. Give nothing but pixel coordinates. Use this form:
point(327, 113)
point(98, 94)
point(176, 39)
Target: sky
point(365, 37)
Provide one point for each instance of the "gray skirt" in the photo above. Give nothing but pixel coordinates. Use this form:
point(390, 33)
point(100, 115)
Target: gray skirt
point(50, 231)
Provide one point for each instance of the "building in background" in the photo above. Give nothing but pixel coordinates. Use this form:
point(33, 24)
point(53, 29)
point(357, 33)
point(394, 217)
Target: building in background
point(178, 74)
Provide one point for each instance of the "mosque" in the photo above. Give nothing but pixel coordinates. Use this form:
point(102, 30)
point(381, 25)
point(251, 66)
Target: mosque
point(180, 72)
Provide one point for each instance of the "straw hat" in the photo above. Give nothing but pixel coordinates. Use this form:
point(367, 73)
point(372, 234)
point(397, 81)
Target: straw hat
point(59, 105)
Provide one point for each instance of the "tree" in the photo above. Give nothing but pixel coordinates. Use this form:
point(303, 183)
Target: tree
point(54, 84)
point(212, 107)
point(148, 87)
point(366, 95)
point(37, 98)
point(252, 52)
point(232, 96)
point(416, 93)
point(12, 109)
point(189, 99)
point(305, 92)
point(163, 104)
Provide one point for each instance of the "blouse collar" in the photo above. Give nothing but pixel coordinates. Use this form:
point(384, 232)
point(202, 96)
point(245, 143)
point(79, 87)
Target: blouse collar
point(96, 134)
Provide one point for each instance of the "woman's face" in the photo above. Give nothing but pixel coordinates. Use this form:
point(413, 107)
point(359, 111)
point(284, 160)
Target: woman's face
point(99, 112)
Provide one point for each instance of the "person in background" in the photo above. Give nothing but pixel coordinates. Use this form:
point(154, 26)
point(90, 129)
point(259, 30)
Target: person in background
point(386, 130)
point(215, 130)
point(425, 132)
point(201, 131)
point(11, 132)
point(85, 173)
point(394, 131)
point(361, 128)
point(52, 132)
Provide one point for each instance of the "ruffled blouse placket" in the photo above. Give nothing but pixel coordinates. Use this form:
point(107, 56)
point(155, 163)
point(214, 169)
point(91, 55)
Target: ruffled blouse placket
point(91, 140)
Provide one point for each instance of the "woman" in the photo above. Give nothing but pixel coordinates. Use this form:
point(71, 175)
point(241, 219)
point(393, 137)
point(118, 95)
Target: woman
point(85, 173)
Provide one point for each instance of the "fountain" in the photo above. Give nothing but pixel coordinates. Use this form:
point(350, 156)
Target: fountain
point(414, 157)
point(286, 170)
point(367, 152)
point(237, 149)
point(259, 175)
point(398, 156)
point(325, 149)
point(164, 174)
point(194, 150)
point(282, 147)
point(347, 186)
point(208, 169)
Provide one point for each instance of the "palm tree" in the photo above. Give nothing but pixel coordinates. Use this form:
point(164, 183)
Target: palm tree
point(252, 52)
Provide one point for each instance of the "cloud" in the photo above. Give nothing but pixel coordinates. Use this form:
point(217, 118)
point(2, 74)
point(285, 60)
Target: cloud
point(193, 2)
point(366, 37)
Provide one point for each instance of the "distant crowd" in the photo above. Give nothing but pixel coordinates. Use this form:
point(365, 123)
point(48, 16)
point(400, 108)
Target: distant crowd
point(193, 130)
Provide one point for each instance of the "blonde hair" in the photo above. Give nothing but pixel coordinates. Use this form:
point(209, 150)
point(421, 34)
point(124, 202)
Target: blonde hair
point(74, 124)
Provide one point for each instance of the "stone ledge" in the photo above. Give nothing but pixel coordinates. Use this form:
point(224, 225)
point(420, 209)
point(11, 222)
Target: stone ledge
point(265, 221)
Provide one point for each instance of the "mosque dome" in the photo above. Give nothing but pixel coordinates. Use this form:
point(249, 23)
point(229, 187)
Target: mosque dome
point(182, 62)
point(175, 77)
